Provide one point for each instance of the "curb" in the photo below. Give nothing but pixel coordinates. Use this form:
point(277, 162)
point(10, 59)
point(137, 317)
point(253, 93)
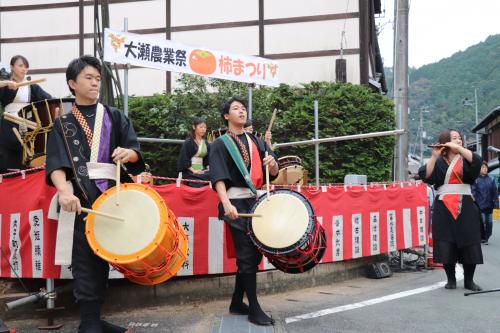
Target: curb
point(123, 295)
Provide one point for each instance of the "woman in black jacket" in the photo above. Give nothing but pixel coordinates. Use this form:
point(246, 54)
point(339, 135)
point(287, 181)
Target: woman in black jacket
point(193, 158)
point(13, 98)
point(456, 230)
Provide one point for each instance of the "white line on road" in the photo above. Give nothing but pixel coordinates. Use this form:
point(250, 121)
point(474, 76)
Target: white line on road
point(459, 276)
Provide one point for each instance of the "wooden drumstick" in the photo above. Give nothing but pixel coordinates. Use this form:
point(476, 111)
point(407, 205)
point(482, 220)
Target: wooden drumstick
point(249, 215)
point(267, 177)
point(25, 146)
point(29, 83)
point(96, 212)
point(118, 167)
point(20, 121)
point(273, 117)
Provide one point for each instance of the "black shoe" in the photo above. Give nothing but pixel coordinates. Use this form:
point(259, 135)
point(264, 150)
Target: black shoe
point(110, 328)
point(90, 326)
point(239, 309)
point(472, 286)
point(451, 285)
point(260, 318)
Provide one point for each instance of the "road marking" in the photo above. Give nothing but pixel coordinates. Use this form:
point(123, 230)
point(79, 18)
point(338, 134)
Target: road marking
point(459, 276)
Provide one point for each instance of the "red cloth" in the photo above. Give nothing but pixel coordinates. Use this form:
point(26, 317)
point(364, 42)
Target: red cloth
point(256, 170)
point(231, 252)
point(454, 201)
point(25, 202)
point(258, 180)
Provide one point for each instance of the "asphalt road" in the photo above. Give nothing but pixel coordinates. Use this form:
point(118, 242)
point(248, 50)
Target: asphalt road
point(406, 302)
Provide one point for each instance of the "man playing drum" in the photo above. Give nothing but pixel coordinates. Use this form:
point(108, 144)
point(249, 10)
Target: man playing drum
point(68, 152)
point(237, 163)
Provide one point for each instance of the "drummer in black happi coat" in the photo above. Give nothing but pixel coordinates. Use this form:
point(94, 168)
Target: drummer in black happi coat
point(68, 152)
point(237, 165)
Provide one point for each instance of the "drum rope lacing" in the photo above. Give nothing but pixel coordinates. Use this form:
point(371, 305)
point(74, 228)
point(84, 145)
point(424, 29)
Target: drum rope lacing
point(310, 188)
point(154, 269)
point(292, 263)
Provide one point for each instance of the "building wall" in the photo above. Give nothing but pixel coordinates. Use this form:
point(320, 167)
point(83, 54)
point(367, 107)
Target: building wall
point(493, 137)
point(305, 40)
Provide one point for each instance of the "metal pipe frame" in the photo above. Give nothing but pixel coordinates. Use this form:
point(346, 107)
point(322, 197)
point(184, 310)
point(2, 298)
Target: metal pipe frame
point(297, 143)
point(341, 138)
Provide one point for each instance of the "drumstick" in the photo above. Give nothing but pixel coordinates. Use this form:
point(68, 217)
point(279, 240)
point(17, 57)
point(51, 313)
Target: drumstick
point(249, 215)
point(118, 183)
point(96, 212)
point(273, 117)
point(20, 121)
point(29, 83)
point(267, 178)
point(18, 136)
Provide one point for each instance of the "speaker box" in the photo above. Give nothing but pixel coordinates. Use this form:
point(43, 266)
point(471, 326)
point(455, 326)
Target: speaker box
point(378, 270)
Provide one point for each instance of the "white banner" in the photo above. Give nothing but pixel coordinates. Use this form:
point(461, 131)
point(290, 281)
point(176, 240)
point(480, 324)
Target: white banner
point(338, 238)
point(374, 233)
point(145, 51)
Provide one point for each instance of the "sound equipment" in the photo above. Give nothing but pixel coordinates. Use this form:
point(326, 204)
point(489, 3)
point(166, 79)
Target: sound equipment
point(378, 270)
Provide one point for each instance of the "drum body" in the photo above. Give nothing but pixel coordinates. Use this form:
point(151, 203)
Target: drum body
point(150, 246)
point(287, 232)
point(41, 115)
point(291, 171)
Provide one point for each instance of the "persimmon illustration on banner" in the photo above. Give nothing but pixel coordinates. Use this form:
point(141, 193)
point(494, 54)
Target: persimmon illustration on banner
point(202, 62)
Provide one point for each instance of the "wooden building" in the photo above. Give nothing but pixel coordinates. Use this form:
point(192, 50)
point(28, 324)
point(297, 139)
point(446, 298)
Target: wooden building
point(305, 37)
point(489, 129)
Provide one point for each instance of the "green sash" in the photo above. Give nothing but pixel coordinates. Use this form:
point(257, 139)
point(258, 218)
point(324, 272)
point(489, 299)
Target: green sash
point(238, 160)
point(197, 159)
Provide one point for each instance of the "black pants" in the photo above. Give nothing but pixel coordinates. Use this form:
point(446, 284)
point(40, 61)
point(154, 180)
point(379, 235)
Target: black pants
point(10, 159)
point(247, 256)
point(90, 273)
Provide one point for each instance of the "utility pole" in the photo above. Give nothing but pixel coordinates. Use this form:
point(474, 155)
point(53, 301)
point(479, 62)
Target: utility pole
point(478, 143)
point(423, 133)
point(467, 102)
point(401, 87)
point(422, 137)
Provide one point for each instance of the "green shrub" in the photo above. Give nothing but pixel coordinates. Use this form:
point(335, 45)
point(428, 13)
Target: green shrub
point(344, 109)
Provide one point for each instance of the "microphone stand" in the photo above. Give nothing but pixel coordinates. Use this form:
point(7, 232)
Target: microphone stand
point(481, 292)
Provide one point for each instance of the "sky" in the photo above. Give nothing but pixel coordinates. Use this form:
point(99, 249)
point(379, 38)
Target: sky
point(440, 28)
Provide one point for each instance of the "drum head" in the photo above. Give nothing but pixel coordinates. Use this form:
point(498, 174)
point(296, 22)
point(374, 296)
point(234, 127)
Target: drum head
point(285, 220)
point(121, 241)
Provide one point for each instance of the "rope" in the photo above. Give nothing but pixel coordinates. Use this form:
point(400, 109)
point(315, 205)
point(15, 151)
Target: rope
point(370, 185)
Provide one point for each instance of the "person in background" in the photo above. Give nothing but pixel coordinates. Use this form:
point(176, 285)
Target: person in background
point(456, 228)
point(485, 193)
point(13, 98)
point(194, 154)
point(248, 127)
